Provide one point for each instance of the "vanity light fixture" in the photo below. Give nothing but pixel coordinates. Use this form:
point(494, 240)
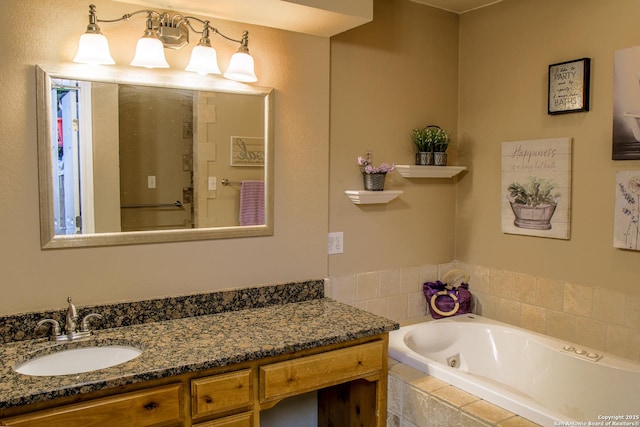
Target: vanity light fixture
point(241, 64)
point(94, 46)
point(149, 49)
point(164, 31)
point(204, 59)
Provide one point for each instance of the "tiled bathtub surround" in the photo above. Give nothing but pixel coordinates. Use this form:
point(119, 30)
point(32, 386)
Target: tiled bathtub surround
point(416, 399)
point(23, 326)
point(602, 319)
point(396, 294)
point(599, 318)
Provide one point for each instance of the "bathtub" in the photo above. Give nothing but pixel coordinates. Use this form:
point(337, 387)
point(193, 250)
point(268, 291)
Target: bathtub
point(634, 122)
point(548, 381)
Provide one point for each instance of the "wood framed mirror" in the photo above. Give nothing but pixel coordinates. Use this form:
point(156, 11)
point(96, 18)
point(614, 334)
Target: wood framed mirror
point(137, 156)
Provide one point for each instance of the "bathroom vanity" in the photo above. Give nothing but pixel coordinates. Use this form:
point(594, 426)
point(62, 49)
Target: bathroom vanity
point(214, 370)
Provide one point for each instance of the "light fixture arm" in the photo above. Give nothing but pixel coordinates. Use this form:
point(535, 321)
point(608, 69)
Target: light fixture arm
point(244, 42)
point(125, 17)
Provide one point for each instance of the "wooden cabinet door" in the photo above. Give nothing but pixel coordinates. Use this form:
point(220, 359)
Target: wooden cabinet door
point(220, 393)
point(291, 377)
point(158, 406)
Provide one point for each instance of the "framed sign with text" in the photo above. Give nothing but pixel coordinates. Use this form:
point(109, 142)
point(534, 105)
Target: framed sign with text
point(247, 151)
point(536, 188)
point(569, 86)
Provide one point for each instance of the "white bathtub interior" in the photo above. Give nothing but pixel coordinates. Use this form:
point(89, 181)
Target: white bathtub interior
point(540, 378)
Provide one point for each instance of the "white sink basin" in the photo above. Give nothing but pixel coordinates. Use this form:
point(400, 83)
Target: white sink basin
point(77, 360)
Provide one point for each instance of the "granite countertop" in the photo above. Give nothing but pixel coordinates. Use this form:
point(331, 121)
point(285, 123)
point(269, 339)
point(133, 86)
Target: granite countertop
point(175, 347)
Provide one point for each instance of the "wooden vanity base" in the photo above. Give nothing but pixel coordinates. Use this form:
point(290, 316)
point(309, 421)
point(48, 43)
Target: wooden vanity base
point(351, 380)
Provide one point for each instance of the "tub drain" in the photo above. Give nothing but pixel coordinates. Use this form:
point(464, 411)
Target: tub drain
point(454, 361)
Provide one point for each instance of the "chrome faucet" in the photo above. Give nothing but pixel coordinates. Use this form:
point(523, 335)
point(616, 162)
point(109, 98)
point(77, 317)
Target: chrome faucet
point(71, 332)
point(55, 326)
point(84, 325)
point(72, 318)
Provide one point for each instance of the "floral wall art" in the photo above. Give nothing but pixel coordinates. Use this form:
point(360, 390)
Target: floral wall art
point(536, 187)
point(626, 231)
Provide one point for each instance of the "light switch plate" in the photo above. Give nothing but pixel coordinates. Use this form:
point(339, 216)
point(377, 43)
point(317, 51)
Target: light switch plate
point(336, 242)
point(213, 183)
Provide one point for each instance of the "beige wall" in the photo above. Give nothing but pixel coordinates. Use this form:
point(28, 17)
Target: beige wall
point(387, 77)
point(47, 31)
point(505, 50)
point(581, 290)
point(398, 72)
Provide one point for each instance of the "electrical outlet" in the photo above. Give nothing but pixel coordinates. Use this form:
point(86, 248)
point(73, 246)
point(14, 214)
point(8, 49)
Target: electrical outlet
point(151, 181)
point(335, 241)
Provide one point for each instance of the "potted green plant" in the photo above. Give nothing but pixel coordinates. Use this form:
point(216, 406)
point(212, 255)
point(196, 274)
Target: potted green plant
point(441, 142)
point(433, 140)
point(533, 203)
point(424, 145)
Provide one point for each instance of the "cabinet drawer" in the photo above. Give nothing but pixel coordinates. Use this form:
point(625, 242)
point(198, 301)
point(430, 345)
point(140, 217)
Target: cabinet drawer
point(156, 406)
point(221, 393)
point(240, 420)
point(290, 377)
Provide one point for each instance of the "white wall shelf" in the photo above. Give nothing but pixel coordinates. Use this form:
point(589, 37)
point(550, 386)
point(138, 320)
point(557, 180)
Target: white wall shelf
point(415, 171)
point(363, 197)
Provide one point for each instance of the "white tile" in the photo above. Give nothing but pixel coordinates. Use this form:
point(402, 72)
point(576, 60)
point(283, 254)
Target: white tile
point(410, 280)
point(416, 305)
point(343, 288)
point(367, 285)
point(390, 282)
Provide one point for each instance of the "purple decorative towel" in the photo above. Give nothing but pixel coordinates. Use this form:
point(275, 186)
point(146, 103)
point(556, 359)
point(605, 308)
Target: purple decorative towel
point(252, 203)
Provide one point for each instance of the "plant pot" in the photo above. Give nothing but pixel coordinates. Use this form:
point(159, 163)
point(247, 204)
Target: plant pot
point(533, 218)
point(440, 159)
point(424, 158)
point(374, 181)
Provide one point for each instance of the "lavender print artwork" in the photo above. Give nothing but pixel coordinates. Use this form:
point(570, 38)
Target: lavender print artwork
point(626, 233)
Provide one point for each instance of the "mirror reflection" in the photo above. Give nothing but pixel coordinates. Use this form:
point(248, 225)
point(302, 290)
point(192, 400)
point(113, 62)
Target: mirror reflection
point(124, 161)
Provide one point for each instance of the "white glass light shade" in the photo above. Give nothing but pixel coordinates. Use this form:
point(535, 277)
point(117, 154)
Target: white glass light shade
point(93, 49)
point(204, 60)
point(241, 68)
point(149, 54)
